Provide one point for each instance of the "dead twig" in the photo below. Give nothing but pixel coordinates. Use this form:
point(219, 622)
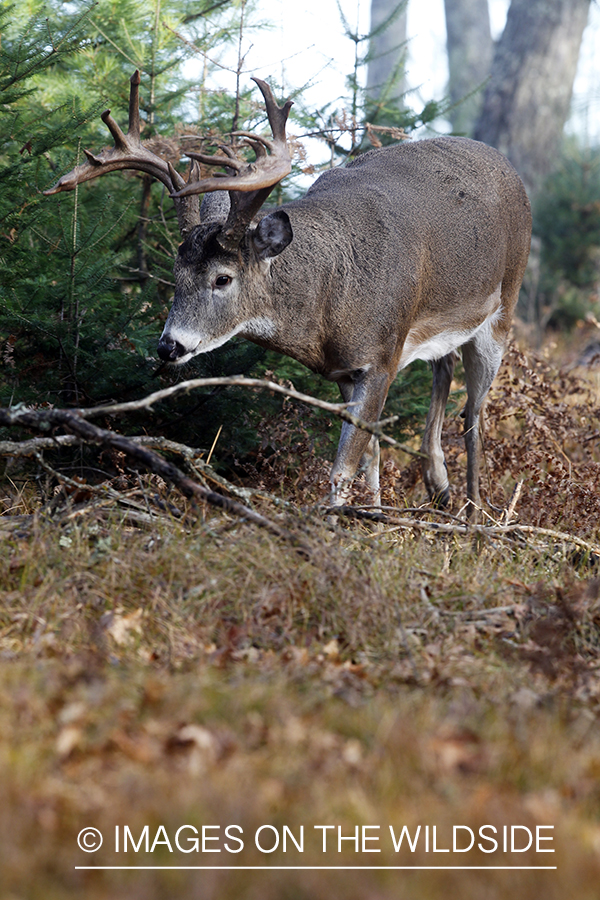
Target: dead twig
point(191, 456)
point(185, 387)
point(479, 613)
point(502, 531)
point(73, 422)
point(512, 503)
point(36, 445)
point(411, 510)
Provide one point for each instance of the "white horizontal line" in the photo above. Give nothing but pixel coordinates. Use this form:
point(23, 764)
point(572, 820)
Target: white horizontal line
point(336, 868)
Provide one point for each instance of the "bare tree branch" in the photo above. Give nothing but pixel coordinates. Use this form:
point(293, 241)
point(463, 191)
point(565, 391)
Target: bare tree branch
point(185, 387)
point(139, 448)
point(73, 422)
point(37, 445)
point(76, 423)
point(506, 532)
point(190, 455)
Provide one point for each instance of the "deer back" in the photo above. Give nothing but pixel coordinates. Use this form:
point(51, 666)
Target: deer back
point(415, 235)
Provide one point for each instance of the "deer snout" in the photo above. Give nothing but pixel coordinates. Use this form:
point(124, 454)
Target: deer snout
point(170, 350)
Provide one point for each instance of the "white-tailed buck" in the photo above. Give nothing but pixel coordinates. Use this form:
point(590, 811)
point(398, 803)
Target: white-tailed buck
point(409, 252)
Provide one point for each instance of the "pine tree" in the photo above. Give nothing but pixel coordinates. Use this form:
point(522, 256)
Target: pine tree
point(86, 276)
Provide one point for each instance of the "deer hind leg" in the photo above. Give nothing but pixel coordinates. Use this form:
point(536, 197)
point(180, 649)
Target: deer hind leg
point(434, 470)
point(481, 358)
point(357, 449)
point(369, 464)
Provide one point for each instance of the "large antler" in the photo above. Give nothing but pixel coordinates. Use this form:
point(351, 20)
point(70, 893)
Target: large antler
point(129, 153)
point(251, 182)
point(248, 186)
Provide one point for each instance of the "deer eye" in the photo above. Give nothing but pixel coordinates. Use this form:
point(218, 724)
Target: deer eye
point(222, 280)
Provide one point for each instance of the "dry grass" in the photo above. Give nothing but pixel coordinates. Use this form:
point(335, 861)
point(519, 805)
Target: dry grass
point(201, 672)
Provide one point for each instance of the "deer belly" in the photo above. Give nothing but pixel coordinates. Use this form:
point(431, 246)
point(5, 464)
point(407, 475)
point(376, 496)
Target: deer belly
point(427, 344)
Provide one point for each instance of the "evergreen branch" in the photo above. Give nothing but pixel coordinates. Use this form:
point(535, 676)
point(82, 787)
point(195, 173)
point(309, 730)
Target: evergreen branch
point(42, 60)
point(395, 14)
point(134, 62)
point(200, 15)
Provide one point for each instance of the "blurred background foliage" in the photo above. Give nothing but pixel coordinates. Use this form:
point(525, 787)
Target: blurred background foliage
point(567, 222)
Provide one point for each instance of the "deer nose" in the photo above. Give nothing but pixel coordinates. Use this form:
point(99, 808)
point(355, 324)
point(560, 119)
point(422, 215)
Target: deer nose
point(170, 350)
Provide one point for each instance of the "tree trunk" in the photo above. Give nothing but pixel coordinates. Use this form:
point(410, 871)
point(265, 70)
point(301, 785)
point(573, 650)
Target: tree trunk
point(470, 51)
point(527, 99)
point(385, 75)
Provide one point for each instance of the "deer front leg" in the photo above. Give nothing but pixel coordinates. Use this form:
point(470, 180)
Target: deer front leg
point(434, 471)
point(367, 393)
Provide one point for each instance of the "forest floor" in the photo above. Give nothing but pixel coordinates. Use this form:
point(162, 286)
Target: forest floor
point(203, 692)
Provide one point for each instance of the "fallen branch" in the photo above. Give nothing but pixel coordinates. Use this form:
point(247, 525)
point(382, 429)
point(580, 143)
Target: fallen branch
point(191, 455)
point(556, 535)
point(76, 423)
point(185, 387)
point(478, 613)
point(73, 422)
point(36, 445)
point(408, 510)
point(466, 529)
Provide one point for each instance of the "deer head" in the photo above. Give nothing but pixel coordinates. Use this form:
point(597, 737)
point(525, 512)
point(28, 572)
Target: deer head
point(231, 201)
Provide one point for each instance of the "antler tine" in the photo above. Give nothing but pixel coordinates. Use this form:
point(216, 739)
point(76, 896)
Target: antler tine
point(134, 105)
point(256, 177)
point(127, 153)
point(176, 178)
point(130, 153)
point(257, 139)
point(258, 147)
point(250, 183)
point(229, 151)
point(94, 161)
point(119, 138)
point(232, 162)
point(277, 115)
point(194, 173)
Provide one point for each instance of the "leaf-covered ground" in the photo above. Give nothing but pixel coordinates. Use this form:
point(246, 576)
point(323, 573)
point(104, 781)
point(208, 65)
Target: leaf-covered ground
point(160, 672)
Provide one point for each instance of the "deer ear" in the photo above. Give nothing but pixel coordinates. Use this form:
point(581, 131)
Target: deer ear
point(273, 234)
